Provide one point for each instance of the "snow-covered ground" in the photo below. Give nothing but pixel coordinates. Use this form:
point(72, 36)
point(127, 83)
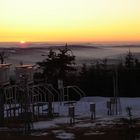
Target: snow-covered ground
point(60, 126)
point(82, 111)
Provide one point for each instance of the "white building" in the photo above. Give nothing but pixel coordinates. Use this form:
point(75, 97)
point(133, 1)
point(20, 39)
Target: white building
point(24, 72)
point(4, 74)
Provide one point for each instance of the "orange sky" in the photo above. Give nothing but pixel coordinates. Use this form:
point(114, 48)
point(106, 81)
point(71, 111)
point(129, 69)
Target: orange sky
point(69, 20)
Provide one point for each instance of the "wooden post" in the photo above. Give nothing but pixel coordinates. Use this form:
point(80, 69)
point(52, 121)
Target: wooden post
point(109, 108)
point(61, 89)
point(92, 110)
point(1, 106)
point(72, 114)
point(112, 101)
point(50, 112)
point(38, 110)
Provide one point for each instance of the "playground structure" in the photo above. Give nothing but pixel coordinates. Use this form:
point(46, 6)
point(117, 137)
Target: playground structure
point(25, 101)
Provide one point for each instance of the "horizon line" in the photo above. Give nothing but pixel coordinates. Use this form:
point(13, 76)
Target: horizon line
point(71, 41)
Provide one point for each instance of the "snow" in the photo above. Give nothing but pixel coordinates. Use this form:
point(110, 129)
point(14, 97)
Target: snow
point(82, 112)
point(65, 136)
point(44, 125)
point(50, 124)
point(94, 133)
point(61, 134)
point(84, 125)
point(134, 103)
point(39, 134)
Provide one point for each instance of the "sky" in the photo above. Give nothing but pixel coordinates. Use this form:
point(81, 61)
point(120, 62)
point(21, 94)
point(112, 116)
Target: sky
point(69, 20)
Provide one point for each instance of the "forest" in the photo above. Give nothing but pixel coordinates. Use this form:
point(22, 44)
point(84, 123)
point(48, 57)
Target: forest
point(97, 79)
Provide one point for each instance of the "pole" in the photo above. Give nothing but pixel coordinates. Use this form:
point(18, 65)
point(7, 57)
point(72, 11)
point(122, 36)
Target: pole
point(1, 106)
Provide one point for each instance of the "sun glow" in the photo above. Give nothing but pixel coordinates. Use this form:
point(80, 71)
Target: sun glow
point(22, 42)
point(70, 20)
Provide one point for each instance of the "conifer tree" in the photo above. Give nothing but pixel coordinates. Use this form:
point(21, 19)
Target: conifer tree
point(57, 64)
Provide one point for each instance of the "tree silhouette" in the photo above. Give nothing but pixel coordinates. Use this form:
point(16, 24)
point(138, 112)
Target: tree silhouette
point(130, 60)
point(65, 60)
point(48, 66)
point(3, 56)
point(57, 64)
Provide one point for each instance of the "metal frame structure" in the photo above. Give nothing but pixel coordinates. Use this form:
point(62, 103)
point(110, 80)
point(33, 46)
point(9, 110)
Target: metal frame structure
point(116, 103)
point(26, 101)
point(76, 89)
point(38, 96)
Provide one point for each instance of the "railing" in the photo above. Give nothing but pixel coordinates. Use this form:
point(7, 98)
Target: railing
point(76, 89)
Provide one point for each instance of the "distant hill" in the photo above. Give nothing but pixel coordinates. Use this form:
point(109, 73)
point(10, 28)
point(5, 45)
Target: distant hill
point(127, 46)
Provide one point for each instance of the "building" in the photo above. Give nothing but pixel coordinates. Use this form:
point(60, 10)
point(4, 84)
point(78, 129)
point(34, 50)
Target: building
point(4, 74)
point(24, 72)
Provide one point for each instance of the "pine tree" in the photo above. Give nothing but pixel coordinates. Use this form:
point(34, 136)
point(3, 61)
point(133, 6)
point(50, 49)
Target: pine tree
point(57, 64)
point(129, 60)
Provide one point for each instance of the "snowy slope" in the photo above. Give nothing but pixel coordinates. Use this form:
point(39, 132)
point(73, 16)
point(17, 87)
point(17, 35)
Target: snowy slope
point(82, 110)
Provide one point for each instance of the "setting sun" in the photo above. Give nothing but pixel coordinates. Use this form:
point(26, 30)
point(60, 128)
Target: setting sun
point(22, 42)
point(70, 20)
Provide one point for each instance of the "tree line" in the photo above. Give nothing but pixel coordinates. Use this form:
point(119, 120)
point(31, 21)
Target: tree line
point(95, 79)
